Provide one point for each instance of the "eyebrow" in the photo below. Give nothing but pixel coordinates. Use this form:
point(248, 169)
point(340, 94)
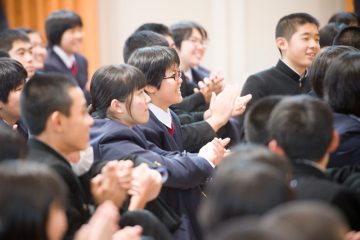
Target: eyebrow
point(23, 49)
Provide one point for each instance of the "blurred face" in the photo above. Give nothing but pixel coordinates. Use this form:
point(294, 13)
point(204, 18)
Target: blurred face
point(39, 50)
point(76, 127)
point(57, 223)
point(71, 40)
point(10, 111)
point(139, 109)
point(303, 46)
point(22, 52)
point(169, 92)
point(192, 50)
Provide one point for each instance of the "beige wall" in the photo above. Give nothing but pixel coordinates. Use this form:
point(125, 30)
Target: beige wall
point(241, 32)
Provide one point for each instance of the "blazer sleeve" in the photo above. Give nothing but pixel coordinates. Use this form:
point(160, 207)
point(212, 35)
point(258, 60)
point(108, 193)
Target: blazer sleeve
point(195, 135)
point(185, 170)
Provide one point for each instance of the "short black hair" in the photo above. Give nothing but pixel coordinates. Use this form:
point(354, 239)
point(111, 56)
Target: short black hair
point(114, 82)
point(28, 191)
point(302, 126)
point(182, 30)
point(348, 36)
point(153, 62)
point(13, 145)
point(12, 75)
point(238, 192)
point(42, 95)
point(288, 24)
point(347, 18)
point(58, 22)
point(328, 33)
point(256, 119)
point(342, 85)
point(321, 64)
point(155, 27)
point(142, 39)
point(9, 36)
point(310, 219)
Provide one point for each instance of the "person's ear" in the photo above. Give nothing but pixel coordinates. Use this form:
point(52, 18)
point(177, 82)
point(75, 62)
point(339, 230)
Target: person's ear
point(55, 121)
point(117, 107)
point(335, 140)
point(281, 43)
point(149, 89)
point(275, 148)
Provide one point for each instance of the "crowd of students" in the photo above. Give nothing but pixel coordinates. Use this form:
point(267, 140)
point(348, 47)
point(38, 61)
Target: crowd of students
point(159, 147)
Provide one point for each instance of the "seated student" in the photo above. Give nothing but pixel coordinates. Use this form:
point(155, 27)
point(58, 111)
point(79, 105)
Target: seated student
point(38, 50)
point(297, 38)
point(39, 197)
point(200, 127)
point(310, 220)
point(12, 80)
point(341, 88)
point(120, 102)
point(256, 120)
point(17, 44)
point(54, 109)
point(190, 41)
point(163, 79)
point(13, 146)
point(244, 186)
point(328, 33)
point(64, 34)
point(348, 36)
point(320, 65)
point(301, 128)
point(347, 18)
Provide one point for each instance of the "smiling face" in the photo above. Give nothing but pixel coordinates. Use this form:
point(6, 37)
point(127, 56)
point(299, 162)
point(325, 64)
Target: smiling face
point(192, 50)
point(71, 40)
point(169, 92)
point(39, 50)
point(301, 49)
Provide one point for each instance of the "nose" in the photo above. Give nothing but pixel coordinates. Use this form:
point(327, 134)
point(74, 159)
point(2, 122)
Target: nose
point(180, 80)
point(147, 98)
point(29, 57)
point(90, 120)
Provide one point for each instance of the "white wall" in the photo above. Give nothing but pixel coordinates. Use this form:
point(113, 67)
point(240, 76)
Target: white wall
point(241, 32)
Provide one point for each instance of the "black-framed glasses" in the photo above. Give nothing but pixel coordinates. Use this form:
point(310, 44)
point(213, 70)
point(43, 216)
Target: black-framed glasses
point(176, 76)
point(197, 41)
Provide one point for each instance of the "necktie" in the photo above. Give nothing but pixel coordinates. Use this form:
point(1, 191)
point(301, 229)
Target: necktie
point(74, 69)
point(171, 130)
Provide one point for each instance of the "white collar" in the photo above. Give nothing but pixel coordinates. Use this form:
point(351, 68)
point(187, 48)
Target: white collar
point(161, 115)
point(68, 60)
point(189, 75)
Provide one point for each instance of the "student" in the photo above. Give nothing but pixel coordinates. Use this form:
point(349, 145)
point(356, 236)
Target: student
point(348, 36)
point(341, 88)
point(64, 34)
point(13, 145)
point(244, 185)
point(310, 220)
point(297, 38)
point(12, 81)
point(200, 127)
point(160, 29)
point(321, 64)
point(119, 99)
point(257, 116)
point(301, 128)
point(17, 44)
point(54, 109)
point(32, 202)
point(39, 50)
point(347, 18)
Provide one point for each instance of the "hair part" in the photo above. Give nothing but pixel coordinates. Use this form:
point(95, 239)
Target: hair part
point(289, 24)
point(182, 30)
point(9, 36)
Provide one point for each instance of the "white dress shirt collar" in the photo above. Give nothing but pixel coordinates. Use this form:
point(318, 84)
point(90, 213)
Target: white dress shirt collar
point(68, 60)
point(161, 115)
